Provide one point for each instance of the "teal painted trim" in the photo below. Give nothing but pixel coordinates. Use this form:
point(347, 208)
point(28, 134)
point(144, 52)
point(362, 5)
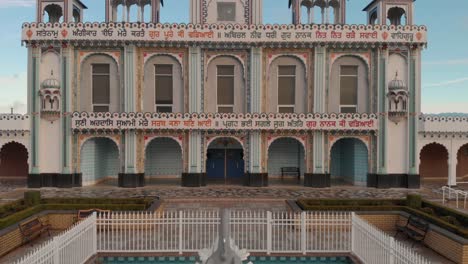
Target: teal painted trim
point(34, 130)
point(255, 146)
point(64, 148)
point(413, 118)
point(130, 152)
point(195, 152)
point(318, 152)
point(256, 79)
point(195, 80)
point(383, 119)
point(319, 79)
point(319, 107)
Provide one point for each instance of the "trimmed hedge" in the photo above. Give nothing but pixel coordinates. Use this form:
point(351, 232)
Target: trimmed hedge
point(433, 213)
point(305, 204)
point(17, 211)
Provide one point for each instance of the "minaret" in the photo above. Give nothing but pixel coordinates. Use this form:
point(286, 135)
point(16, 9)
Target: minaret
point(58, 11)
point(387, 12)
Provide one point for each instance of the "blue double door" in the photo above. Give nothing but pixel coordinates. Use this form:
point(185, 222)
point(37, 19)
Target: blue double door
point(225, 165)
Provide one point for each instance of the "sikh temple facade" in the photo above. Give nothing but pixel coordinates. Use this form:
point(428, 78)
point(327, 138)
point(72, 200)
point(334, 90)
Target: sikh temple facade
point(226, 99)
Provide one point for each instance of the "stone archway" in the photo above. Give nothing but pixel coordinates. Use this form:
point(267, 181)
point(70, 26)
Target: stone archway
point(99, 160)
point(349, 162)
point(286, 152)
point(225, 161)
point(163, 159)
point(434, 162)
point(462, 164)
point(14, 161)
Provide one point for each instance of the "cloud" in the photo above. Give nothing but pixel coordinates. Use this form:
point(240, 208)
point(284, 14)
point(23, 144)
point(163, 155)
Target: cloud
point(13, 91)
point(451, 107)
point(446, 83)
point(19, 107)
point(463, 61)
point(17, 3)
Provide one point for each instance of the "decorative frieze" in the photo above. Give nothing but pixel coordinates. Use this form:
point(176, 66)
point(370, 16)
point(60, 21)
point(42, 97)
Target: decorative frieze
point(207, 33)
point(207, 122)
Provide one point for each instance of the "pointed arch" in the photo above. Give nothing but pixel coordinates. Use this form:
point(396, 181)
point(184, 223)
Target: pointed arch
point(434, 162)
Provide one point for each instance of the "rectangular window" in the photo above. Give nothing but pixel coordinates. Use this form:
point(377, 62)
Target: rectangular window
point(163, 88)
point(286, 89)
point(101, 87)
point(225, 88)
point(348, 89)
point(226, 11)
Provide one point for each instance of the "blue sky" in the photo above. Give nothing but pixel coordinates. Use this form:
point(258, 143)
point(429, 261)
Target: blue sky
point(445, 61)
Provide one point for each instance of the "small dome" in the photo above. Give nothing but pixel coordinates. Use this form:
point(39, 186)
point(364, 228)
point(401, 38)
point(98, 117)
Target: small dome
point(396, 84)
point(51, 83)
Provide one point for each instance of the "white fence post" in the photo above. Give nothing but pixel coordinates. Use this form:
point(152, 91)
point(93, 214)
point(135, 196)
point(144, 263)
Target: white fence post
point(56, 249)
point(269, 234)
point(392, 250)
point(181, 240)
point(353, 230)
point(303, 233)
point(95, 237)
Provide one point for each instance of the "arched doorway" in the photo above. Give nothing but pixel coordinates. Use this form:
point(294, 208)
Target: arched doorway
point(286, 153)
point(99, 160)
point(462, 164)
point(14, 162)
point(163, 160)
point(349, 162)
point(225, 161)
point(434, 162)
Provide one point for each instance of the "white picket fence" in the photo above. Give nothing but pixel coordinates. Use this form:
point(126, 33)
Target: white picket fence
point(374, 246)
point(255, 231)
point(74, 246)
point(449, 193)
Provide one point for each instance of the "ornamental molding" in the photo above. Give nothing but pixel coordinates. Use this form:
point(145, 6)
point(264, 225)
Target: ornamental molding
point(273, 122)
point(84, 55)
point(229, 34)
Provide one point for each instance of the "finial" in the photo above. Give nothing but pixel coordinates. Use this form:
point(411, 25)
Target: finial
point(51, 72)
point(396, 75)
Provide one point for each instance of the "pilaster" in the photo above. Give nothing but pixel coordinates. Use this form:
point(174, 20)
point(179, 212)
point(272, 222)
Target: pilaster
point(34, 86)
point(319, 107)
point(129, 107)
point(382, 139)
point(195, 80)
point(414, 108)
point(255, 107)
point(66, 110)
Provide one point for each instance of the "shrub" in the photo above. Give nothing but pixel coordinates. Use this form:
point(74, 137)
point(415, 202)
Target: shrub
point(32, 198)
point(428, 210)
point(414, 201)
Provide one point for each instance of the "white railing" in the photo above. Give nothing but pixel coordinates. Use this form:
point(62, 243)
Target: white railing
point(74, 246)
point(191, 231)
point(448, 193)
point(374, 246)
point(267, 232)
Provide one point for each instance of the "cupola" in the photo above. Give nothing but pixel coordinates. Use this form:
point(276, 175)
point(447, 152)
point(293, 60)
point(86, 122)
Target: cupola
point(397, 100)
point(50, 98)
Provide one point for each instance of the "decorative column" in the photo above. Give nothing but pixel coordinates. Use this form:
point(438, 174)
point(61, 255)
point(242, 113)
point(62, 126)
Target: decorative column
point(257, 12)
point(320, 177)
point(34, 105)
point(452, 164)
point(195, 177)
point(255, 175)
point(130, 178)
point(381, 179)
point(414, 111)
point(195, 12)
point(68, 178)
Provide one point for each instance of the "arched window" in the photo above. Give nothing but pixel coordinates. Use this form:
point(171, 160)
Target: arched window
point(54, 13)
point(225, 89)
point(287, 87)
point(76, 15)
point(349, 86)
point(396, 16)
point(100, 84)
point(373, 18)
point(163, 85)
